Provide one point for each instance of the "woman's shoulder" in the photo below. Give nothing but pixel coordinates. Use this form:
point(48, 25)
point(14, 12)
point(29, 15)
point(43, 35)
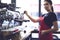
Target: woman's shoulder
point(52, 14)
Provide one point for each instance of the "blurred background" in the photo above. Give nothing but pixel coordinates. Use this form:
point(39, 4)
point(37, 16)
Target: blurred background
point(26, 28)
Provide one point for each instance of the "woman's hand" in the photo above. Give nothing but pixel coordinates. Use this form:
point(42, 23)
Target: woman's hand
point(25, 12)
point(43, 32)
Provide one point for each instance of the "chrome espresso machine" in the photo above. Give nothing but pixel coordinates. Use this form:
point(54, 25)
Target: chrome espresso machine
point(10, 22)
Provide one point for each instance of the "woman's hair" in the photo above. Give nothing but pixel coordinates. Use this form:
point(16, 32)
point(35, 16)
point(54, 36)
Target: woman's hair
point(50, 2)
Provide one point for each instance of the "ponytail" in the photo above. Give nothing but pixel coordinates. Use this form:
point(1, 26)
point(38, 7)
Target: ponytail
point(52, 9)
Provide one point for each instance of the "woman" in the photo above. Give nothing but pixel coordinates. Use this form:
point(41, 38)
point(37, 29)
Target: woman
point(46, 22)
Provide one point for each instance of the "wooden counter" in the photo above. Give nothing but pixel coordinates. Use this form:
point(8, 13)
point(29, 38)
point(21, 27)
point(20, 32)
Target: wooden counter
point(11, 33)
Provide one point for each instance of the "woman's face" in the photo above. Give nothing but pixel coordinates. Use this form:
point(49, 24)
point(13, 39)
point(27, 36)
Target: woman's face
point(47, 6)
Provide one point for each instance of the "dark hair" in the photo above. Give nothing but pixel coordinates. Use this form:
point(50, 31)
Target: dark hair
point(50, 2)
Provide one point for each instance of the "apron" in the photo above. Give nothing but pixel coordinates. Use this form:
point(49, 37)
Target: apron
point(43, 26)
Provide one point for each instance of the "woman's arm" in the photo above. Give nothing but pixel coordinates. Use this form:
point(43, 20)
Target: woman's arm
point(30, 17)
point(54, 29)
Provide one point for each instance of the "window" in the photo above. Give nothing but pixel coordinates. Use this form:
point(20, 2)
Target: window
point(32, 6)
